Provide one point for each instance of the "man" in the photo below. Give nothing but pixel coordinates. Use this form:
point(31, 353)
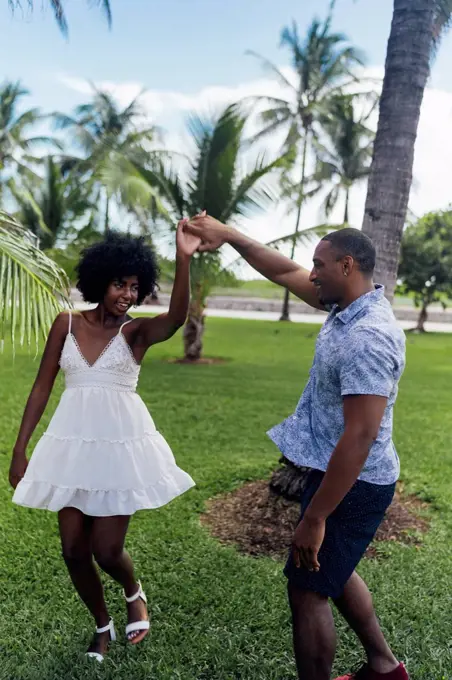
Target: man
point(342, 430)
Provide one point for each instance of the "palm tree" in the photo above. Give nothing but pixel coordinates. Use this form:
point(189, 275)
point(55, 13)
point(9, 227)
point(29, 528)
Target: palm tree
point(16, 141)
point(50, 206)
point(112, 140)
point(345, 152)
point(217, 183)
point(58, 10)
point(32, 286)
point(323, 64)
point(417, 27)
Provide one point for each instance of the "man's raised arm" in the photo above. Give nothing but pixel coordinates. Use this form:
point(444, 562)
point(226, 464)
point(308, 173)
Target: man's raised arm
point(267, 261)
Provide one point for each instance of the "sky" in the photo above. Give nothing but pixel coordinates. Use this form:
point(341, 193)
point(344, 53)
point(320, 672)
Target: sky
point(190, 55)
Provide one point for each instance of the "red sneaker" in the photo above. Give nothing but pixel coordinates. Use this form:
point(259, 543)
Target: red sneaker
point(366, 673)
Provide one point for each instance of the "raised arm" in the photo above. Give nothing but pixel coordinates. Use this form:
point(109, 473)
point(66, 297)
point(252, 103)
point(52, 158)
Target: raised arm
point(267, 261)
point(162, 327)
point(39, 396)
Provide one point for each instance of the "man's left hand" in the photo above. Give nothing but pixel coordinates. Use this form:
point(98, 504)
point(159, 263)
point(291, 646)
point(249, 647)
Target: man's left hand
point(306, 543)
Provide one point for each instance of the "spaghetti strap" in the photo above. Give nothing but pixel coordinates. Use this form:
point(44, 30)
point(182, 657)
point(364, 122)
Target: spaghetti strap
point(124, 324)
point(70, 322)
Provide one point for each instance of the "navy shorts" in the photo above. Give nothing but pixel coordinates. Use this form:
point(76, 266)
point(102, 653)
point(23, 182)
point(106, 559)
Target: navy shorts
point(349, 531)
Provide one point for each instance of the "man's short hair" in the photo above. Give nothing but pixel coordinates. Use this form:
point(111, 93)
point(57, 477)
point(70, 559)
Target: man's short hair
point(354, 243)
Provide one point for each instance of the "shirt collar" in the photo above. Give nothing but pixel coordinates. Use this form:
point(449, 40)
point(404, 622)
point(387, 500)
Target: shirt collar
point(359, 304)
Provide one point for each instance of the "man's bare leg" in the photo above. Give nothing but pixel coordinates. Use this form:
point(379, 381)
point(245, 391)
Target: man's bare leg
point(314, 634)
point(355, 605)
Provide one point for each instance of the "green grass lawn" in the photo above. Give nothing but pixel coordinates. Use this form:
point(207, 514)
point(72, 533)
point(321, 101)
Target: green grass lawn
point(217, 614)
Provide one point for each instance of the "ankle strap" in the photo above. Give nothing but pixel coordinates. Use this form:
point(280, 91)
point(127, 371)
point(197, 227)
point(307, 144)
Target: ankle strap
point(105, 628)
point(139, 593)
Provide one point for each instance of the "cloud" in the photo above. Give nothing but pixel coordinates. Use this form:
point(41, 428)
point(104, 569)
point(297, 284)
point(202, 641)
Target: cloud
point(431, 189)
point(158, 102)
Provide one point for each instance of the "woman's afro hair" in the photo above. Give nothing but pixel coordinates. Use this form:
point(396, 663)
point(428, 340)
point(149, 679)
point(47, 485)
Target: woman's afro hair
point(116, 257)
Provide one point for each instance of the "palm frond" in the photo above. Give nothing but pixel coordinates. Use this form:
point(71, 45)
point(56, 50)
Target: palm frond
point(44, 141)
point(269, 66)
point(27, 118)
point(60, 16)
point(30, 208)
point(169, 185)
point(134, 109)
point(305, 237)
point(84, 138)
point(32, 287)
point(132, 185)
point(442, 21)
point(250, 195)
point(331, 200)
point(106, 9)
point(213, 171)
point(58, 11)
point(135, 138)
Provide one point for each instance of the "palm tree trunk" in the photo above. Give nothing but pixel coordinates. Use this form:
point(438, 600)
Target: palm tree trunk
point(347, 201)
point(194, 329)
point(288, 480)
point(420, 328)
point(406, 73)
point(107, 213)
point(285, 312)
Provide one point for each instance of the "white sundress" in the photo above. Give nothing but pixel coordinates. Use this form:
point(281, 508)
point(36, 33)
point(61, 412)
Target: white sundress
point(101, 452)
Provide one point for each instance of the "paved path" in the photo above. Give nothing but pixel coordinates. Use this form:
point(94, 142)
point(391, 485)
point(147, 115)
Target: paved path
point(317, 318)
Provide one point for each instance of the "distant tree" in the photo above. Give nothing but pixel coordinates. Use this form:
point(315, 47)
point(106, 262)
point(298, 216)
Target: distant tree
point(112, 139)
point(68, 255)
point(17, 138)
point(323, 63)
point(345, 152)
point(49, 206)
point(425, 269)
point(220, 181)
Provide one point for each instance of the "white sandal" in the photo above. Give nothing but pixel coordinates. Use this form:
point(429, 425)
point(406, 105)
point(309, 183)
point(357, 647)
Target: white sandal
point(137, 625)
point(111, 629)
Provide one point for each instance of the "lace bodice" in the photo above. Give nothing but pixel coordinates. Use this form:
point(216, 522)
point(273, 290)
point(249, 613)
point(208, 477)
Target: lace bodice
point(115, 367)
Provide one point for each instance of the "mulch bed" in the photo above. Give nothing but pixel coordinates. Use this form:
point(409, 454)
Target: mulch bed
point(260, 523)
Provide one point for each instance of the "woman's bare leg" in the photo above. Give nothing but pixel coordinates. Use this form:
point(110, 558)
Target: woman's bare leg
point(75, 533)
point(108, 536)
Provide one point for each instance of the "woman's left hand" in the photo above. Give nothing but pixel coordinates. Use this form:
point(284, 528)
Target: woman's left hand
point(186, 244)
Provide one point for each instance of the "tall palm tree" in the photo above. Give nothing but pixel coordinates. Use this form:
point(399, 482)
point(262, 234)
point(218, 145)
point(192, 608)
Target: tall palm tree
point(417, 27)
point(111, 140)
point(16, 139)
point(50, 206)
point(344, 153)
point(216, 182)
point(32, 286)
point(58, 10)
point(323, 63)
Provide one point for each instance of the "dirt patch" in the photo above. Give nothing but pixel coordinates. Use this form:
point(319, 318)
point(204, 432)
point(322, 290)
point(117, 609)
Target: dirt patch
point(204, 361)
point(260, 523)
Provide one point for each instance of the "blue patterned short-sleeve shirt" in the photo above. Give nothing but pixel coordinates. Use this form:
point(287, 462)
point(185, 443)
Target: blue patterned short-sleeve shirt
point(360, 350)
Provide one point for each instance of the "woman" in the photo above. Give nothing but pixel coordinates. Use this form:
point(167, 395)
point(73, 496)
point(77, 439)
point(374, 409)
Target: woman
point(101, 458)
